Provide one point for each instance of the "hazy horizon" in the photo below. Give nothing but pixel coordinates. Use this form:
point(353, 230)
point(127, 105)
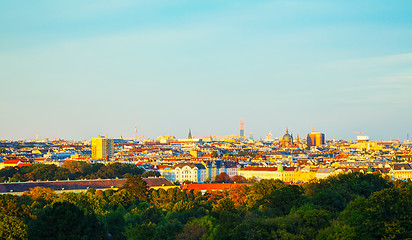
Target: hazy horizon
point(78, 69)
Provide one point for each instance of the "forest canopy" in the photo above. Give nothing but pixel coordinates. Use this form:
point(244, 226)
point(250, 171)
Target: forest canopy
point(346, 206)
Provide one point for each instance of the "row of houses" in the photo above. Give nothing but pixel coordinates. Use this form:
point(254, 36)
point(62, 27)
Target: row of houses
point(204, 171)
point(197, 171)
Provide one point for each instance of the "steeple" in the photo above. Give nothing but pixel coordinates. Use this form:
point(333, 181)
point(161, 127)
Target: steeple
point(190, 134)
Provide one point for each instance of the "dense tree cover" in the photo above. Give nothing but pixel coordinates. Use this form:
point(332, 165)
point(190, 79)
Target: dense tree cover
point(69, 170)
point(352, 206)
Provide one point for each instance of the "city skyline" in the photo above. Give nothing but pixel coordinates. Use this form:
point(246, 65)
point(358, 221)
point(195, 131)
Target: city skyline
point(78, 69)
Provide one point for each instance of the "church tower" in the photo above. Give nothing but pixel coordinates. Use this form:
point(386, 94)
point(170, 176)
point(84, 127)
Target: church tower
point(190, 134)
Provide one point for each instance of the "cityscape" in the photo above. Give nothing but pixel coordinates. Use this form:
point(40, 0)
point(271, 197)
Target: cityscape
point(292, 159)
point(205, 120)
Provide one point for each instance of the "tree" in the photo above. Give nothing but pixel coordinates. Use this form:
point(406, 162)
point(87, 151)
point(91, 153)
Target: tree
point(335, 192)
point(11, 227)
point(74, 167)
point(224, 204)
point(38, 197)
point(150, 174)
point(152, 215)
point(89, 203)
point(114, 224)
point(238, 195)
point(338, 230)
point(282, 200)
point(11, 206)
point(223, 178)
point(137, 187)
point(41, 194)
point(141, 232)
point(122, 197)
point(239, 179)
point(168, 230)
point(64, 221)
point(192, 232)
point(384, 215)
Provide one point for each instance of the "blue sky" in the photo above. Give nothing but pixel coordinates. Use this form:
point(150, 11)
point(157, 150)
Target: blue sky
point(76, 69)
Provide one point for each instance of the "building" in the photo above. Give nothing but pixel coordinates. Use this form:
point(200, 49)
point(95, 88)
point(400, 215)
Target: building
point(288, 174)
point(216, 167)
point(401, 171)
point(286, 140)
point(102, 148)
point(242, 131)
point(82, 185)
point(192, 172)
point(315, 139)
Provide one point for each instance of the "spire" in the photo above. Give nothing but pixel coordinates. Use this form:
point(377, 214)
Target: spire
point(287, 130)
point(190, 134)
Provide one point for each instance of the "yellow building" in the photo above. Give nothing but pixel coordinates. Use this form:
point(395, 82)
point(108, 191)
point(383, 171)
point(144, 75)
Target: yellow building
point(102, 148)
point(288, 174)
point(315, 139)
point(401, 171)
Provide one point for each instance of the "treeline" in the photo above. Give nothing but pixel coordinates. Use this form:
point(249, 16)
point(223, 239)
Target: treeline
point(69, 170)
point(346, 206)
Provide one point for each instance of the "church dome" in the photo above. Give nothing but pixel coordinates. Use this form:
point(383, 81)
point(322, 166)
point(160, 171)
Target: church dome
point(287, 136)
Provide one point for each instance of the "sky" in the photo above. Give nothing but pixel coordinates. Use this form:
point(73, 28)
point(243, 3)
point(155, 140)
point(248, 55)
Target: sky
point(81, 68)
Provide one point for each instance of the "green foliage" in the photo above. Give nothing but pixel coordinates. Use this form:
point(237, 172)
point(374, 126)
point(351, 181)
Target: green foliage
point(353, 206)
point(386, 214)
point(11, 205)
point(145, 231)
point(12, 228)
point(89, 203)
point(152, 215)
point(122, 198)
point(137, 187)
point(282, 200)
point(338, 230)
point(261, 190)
point(335, 192)
point(114, 223)
point(63, 220)
point(150, 174)
point(69, 170)
point(306, 222)
point(168, 231)
point(224, 204)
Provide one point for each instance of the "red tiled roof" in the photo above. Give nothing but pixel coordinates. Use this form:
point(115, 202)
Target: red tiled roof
point(210, 186)
point(24, 164)
point(259, 169)
point(161, 166)
point(11, 161)
point(158, 182)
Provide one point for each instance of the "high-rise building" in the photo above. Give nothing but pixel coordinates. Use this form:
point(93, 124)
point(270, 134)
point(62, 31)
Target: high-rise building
point(315, 139)
point(242, 131)
point(102, 148)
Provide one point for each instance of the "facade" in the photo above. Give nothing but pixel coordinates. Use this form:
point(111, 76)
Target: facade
point(216, 167)
point(102, 148)
point(193, 172)
point(401, 171)
point(288, 174)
